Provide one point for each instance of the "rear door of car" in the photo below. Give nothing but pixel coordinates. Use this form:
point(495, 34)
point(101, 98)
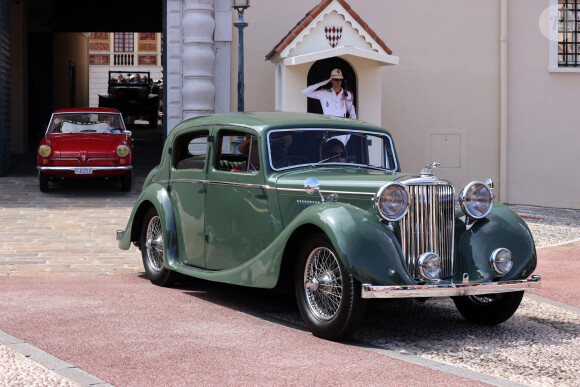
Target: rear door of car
point(188, 192)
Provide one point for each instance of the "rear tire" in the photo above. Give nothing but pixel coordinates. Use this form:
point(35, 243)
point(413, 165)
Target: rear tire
point(328, 297)
point(152, 250)
point(488, 309)
point(43, 182)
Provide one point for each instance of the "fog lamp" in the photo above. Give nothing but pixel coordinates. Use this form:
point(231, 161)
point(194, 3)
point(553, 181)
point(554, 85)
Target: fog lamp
point(501, 260)
point(429, 265)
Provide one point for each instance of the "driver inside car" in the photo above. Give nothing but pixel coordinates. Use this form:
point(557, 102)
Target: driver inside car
point(334, 151)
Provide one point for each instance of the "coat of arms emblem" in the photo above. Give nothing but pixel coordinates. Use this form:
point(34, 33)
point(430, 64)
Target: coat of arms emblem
point(333, 34)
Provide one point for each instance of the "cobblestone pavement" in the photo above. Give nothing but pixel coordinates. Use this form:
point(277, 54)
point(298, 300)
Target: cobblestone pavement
point(70, 231)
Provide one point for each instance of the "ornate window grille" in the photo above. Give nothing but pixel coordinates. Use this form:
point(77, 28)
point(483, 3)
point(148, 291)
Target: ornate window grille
point(568, 33)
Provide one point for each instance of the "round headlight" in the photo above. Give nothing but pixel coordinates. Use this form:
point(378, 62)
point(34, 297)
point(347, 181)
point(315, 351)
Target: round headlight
point(429, 265)
point(392, 201)
point(476, 199)
point(501, 260)
point(44, 150)
point(122, 150)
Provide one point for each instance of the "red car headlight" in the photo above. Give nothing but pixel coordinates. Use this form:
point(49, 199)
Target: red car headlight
point(122, 150)
point(44, 150)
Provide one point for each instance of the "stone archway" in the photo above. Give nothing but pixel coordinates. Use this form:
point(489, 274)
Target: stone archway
point(320, 71)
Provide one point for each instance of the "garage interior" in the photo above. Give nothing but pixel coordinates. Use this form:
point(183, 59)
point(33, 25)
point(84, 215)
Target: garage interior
point(33, 34)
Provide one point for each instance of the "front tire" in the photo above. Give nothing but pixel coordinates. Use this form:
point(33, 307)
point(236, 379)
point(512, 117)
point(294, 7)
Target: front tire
point(488, 309)
point(43, 182)
point(126, 181)
point(152, 250)
point(328, 297)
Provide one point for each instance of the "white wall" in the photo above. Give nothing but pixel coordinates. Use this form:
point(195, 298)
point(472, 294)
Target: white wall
point(544, 128)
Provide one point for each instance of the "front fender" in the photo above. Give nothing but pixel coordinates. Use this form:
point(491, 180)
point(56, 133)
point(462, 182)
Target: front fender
point(154, 195)
point(501, 228)
point(365, 246)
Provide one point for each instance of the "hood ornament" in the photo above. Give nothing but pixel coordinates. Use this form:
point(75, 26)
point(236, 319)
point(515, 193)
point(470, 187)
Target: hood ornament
point(428, 169)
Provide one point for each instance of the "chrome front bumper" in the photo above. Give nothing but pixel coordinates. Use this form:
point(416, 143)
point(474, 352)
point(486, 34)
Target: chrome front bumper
point(124, 168)
point(450, 289)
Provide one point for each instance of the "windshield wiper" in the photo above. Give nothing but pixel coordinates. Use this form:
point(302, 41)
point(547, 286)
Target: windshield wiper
point(328, 159)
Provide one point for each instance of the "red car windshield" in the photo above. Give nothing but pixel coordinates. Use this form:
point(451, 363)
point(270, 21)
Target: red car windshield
point(86, 123)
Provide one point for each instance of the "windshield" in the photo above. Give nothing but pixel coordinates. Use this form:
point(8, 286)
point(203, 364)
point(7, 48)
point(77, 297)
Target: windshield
point(294, 147)
point(86, 123)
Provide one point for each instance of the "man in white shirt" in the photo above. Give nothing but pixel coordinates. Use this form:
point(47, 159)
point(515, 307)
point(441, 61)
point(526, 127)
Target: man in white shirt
point(335, 101)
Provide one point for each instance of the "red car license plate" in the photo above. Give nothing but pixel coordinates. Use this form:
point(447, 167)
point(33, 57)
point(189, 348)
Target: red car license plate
point(83, 171)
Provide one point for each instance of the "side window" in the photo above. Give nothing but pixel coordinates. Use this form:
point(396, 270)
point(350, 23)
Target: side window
point(239, 152)
point(190, 151)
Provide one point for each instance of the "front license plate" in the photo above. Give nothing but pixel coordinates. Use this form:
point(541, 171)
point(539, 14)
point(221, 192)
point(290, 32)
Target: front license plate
point(83, 171)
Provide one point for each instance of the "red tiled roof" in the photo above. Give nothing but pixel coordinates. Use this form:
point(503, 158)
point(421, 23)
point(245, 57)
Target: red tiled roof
point(286, 40)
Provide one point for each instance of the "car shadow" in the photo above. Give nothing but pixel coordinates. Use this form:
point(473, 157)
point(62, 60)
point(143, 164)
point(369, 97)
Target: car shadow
point(274, 305)
point(406, 326)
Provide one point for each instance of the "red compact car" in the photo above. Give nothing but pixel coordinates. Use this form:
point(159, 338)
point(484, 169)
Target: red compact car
point(86, 143)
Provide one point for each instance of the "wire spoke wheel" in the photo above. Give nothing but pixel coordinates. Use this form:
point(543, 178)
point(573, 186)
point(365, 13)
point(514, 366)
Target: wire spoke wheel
point(152, 250)
point(154, 243)
point(323, 283)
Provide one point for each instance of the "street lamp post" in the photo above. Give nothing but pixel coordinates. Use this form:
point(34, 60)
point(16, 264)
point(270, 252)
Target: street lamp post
point(240, 6)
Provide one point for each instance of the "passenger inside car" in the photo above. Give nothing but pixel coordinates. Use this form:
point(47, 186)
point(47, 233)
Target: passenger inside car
point(248, 147)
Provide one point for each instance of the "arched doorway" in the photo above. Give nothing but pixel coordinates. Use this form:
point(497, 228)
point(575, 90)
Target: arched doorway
point(320, 71)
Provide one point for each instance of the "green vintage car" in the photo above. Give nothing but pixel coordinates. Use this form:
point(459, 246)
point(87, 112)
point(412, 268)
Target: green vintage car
point(263, 199)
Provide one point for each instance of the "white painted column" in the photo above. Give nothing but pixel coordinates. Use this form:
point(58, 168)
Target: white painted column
point(173, 84)
point(198, 91)
point(199, 35)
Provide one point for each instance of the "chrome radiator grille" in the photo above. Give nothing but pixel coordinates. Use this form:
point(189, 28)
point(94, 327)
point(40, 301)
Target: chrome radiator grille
point(429, 226)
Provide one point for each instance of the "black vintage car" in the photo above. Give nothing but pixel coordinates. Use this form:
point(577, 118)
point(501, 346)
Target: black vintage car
point(133, 95)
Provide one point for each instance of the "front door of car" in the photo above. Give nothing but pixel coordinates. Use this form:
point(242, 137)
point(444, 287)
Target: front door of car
point(238, 223)
point(188, 192)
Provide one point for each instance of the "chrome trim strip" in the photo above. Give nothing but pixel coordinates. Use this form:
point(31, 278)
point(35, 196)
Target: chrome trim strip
point(258, 186)
point(327, 191)
point(66, 159)
point(125, 168)
point(450, 290)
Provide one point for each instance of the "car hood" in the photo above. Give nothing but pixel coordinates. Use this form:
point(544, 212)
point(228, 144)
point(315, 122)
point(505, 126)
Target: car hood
point(339, 179)
point(93, 144)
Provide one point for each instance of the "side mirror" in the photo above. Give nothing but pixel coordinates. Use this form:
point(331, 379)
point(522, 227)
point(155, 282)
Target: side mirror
point(312, 185)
